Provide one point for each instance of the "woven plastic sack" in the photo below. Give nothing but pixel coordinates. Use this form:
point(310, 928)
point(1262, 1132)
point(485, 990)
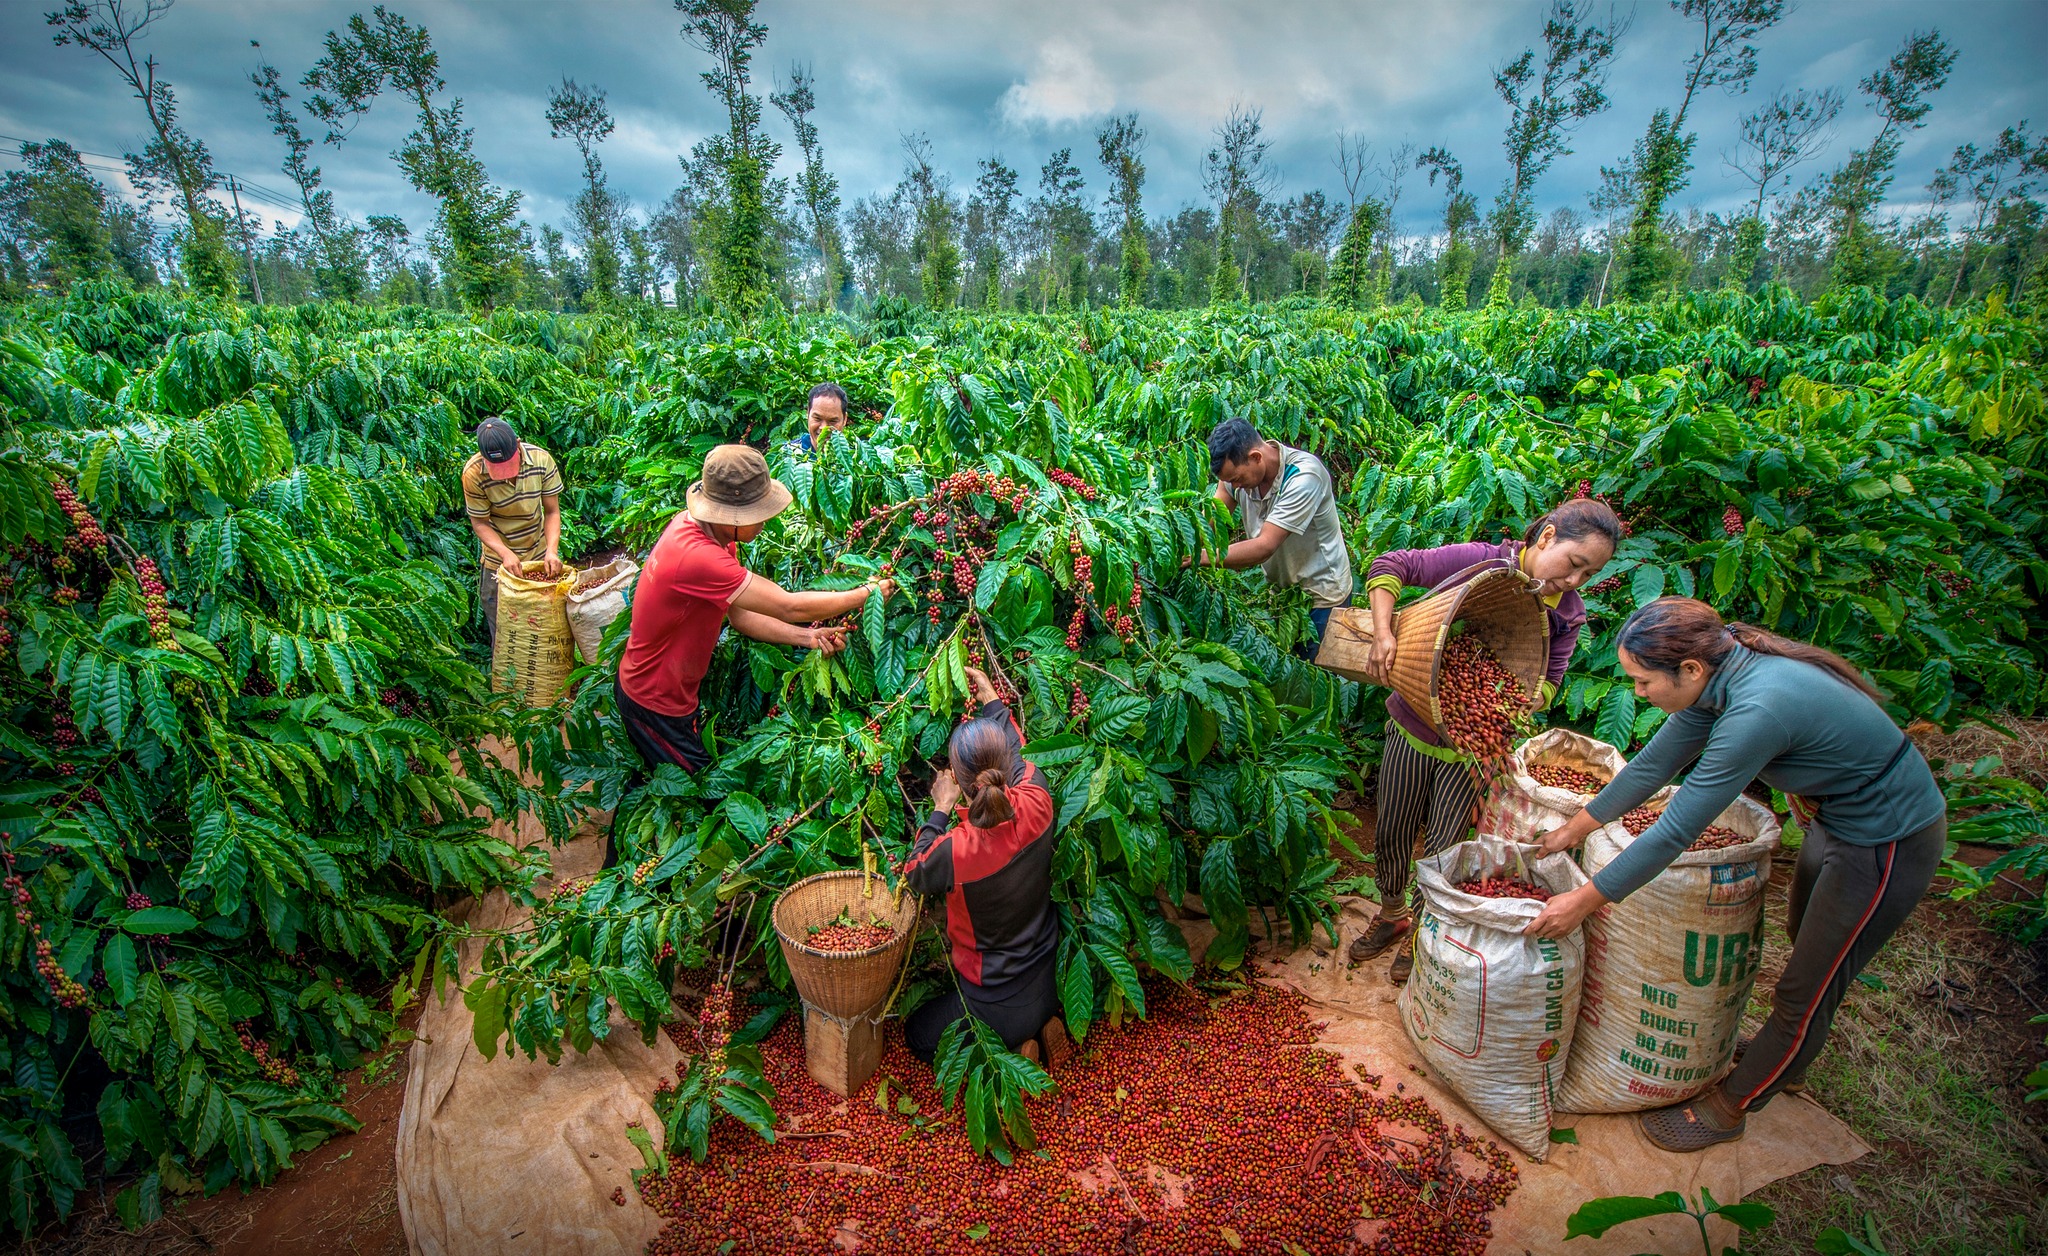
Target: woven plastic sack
point(535, 650)
point(1521, 808)
point(598, 598)
point(1669, 970)
point(1492, 1011)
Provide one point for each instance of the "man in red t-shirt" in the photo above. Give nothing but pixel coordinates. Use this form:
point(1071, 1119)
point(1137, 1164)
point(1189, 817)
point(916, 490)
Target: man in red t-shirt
point(692, 585)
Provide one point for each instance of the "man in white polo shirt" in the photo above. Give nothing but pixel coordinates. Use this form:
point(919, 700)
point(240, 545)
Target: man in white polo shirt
point(1289, 507)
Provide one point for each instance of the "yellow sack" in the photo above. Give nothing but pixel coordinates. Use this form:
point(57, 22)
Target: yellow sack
point(535, 649)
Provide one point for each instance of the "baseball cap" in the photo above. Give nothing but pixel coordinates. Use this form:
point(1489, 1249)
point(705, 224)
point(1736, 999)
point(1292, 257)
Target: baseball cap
point(499, 445)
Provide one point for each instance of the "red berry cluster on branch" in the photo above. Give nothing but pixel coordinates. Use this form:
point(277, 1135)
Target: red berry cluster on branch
point(400, 701)
point(67, 992)
point(155, 604)
point(137, 902)
point(86, 533)
point(1731, 521)
point(1756, 388)
point(1572, 779)
point(274, 1067)
point(1084, 586)
point(1077, 705)
point(714, 1027)
point(1501, 885)
point(1585, 489)
point(64, 733)
point(1484, 705)
point(1073, 483)
point(1605, 587)
point(645, 869)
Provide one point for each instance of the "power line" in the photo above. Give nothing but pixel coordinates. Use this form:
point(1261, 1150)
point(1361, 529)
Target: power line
point(256, 191)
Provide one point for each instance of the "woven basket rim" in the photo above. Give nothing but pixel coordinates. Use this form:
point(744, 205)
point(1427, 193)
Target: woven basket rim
point(830, 875)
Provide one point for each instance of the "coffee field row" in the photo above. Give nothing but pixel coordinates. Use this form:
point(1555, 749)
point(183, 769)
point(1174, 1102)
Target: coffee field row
point(243, 690)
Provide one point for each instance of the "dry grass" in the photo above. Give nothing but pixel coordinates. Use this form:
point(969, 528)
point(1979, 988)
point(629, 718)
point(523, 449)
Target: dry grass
point(2025, 754)
point(1924, 1064)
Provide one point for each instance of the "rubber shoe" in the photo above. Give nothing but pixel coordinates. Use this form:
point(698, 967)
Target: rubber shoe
point(1374, 942)
point(1694, 1125)
point(1030, 1051)
point(1404, 962)
point(1794, 1085)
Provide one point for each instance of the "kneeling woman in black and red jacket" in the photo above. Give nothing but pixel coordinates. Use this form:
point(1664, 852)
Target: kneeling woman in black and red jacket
point(995, 868)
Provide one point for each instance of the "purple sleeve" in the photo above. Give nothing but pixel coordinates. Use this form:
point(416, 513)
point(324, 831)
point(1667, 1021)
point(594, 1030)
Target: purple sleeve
point(1427, 568)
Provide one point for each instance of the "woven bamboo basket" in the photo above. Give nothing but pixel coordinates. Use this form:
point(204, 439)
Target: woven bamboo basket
point(1496, 606)
point(843, 983)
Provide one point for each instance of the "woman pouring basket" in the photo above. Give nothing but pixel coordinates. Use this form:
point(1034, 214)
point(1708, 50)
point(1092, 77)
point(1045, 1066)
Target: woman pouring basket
point(1426, 785)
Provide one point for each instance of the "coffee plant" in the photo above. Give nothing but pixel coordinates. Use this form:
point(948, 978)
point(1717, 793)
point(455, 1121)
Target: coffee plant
point(247, 740)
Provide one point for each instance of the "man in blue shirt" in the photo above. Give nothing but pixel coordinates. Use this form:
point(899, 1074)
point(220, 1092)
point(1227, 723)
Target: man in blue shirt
point(827, 414)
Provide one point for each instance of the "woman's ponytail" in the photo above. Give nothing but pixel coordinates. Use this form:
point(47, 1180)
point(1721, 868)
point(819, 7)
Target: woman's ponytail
point(988, 799)
point(1764, 642)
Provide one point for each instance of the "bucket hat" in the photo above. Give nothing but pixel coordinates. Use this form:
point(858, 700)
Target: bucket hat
point(737, 489)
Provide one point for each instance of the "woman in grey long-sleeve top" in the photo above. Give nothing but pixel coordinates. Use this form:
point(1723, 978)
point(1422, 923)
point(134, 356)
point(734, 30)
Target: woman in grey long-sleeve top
point(1752, 705)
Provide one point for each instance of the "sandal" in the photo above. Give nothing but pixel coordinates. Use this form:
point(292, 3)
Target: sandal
point(1374, 942)
point(1794, 1085)
point(1695, 1125)
point(1404, 962)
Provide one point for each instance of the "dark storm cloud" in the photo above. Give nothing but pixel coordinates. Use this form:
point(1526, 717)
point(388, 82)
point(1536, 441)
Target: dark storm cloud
point(1018, 79)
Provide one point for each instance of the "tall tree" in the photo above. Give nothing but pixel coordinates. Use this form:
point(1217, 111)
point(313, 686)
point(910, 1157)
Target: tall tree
point(1782, 134)
point(740, 218)
point(1393, 173)
point(173, 162)
point(1724, 58)
point(54, 217)
point(581, 114)
point(1237, 175)
point(1351, 282)
point(1545, 104)
point(1899, 95)
point(931, 200)
point(1063, 229)
point(477, 227)
point(1461, 212)
point(816, 190)
point(338, 264)
point(2008, 171)
point(993, 209)
point(1121, 142)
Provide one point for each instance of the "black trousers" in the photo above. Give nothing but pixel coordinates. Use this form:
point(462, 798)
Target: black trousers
point(1416, 794)
point(1845, 902)
point(677, 739)
point(1017, 1016)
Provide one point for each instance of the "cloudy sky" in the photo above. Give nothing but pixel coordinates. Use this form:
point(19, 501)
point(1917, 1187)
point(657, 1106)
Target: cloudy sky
point(1018, 79)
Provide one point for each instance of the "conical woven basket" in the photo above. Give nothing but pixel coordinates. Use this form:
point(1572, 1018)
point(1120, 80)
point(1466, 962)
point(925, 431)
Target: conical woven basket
point(843, 983)
point(1496, 606)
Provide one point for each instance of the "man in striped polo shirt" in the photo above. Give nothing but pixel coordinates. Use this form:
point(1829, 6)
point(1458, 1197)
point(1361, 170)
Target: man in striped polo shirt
point(513, 492)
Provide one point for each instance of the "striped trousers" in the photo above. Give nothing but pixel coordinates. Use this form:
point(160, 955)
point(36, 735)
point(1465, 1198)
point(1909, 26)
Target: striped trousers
point(1421, 796)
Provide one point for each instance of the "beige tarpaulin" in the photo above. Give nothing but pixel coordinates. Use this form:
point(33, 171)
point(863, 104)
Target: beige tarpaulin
point(518, 1155)
point(1612, 1157)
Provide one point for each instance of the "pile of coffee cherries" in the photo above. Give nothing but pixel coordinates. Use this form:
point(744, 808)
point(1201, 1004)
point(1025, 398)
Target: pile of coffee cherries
point(1485, 707)
point(1558, 777)
point(1713, 837)
point(1501, 885)
point(841, 936)
point(1214, 1126)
